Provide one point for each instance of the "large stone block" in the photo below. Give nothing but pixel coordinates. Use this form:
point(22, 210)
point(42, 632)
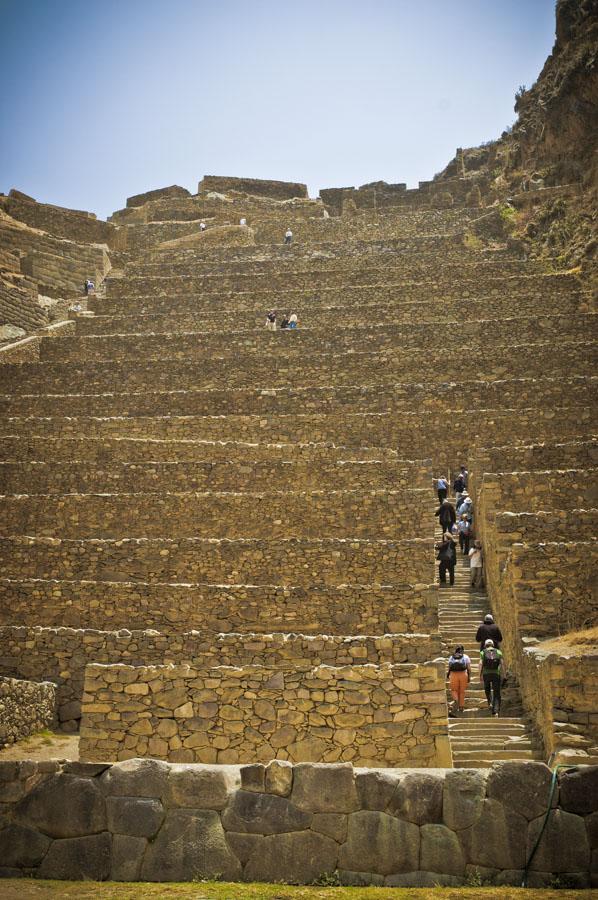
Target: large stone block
point(22, 847)
point(463, 794)
point(63, 806)
point(264, 814)
point(319, 787)
point(375, 787)
point(579, 790)
point(441, 850)
point(137, 816)
point(201, 786)
point(379, 843)
point(136, 778)
point(564, 846)
point(524, 788)
point(496, 839)
point(418, 798)
point(191, 845)
point(299, 857)
point(127, 855)
point(77, 859)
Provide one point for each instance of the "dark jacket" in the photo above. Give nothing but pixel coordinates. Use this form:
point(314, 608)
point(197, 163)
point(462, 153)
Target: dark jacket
point(451, 556)
point(458, 484)
point(446, 515)
point(490, 630)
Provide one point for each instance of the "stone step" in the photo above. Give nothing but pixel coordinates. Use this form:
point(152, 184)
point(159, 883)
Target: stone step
point(496, 755)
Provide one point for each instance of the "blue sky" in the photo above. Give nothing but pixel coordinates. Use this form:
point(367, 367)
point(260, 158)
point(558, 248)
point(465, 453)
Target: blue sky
point(102, 99)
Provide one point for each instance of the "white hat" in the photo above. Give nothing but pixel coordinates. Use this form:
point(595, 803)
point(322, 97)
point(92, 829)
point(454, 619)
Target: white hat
point(489, 643)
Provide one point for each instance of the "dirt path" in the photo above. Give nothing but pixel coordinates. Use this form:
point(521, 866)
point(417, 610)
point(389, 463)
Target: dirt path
point(42, 746)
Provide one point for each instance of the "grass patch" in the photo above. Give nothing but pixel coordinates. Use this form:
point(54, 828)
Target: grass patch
point(30, 889)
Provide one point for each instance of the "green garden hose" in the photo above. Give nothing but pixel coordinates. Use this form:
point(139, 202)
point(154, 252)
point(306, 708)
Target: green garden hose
point(545, 822)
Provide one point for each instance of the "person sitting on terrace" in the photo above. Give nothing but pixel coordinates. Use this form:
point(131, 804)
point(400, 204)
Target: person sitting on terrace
point(293, 320)
point(202, 226)
point(284, 322)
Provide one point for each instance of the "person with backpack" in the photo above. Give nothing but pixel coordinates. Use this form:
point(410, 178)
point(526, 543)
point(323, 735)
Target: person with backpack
point(464, 526)
point(489, 630)
point(490, 674)
point(446, 515)
point(447, 558)
point(459, 676)
point(442, 488)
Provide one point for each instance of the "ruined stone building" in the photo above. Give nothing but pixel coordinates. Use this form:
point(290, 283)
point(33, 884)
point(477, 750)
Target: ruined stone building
point(217, 541)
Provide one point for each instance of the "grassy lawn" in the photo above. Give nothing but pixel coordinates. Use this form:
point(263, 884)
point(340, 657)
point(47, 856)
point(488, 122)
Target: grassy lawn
point(26, 889)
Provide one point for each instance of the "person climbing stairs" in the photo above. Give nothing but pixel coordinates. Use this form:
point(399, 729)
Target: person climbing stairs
point(477, 738)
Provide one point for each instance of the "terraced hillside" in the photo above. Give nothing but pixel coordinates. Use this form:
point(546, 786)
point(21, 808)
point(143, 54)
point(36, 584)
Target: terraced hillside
point(182, 487)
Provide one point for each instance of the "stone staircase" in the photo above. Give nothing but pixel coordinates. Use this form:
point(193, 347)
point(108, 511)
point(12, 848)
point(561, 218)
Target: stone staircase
point(477, 738)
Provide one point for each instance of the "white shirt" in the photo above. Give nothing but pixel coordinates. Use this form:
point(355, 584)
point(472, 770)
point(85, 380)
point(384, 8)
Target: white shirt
point(243, 222)
point(289, 233)
point(475, 558)
point(293, 318)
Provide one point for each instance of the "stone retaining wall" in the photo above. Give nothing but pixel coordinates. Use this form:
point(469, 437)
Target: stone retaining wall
point(560, 689)
point(25, 707)
point(115, 478)
point(532, 528)
point(337, 609)
point(409, 435)
point(374, 514)
point(371, 338)
point(571, 455)
point(370, 715)
point(61, 654)
point(549, 589)
point(59, 221)
point(277, 368)
point(146, 820)
point(309, 564)
point(535, 289)
point(444, 397)
point(539, 490)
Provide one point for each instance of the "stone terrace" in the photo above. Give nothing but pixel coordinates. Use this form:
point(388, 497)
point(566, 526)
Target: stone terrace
point(173, 466)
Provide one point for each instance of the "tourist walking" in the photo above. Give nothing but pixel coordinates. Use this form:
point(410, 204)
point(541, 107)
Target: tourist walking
point(476, 565)
point(490, 674)
point(271, 320)
point(446, 515)
point(459, 676)
point(465, 505)
point(464, 526)
point(464, 476)
point(442, 488)
point(489, 630)
point(447, 558)
point(458, 487)
point(288, 236)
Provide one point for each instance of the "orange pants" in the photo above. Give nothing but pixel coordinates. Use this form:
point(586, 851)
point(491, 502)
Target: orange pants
point(458, 682)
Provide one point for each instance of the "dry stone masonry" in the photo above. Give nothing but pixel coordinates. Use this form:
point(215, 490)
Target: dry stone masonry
point(217, 542)
point(148, 820)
